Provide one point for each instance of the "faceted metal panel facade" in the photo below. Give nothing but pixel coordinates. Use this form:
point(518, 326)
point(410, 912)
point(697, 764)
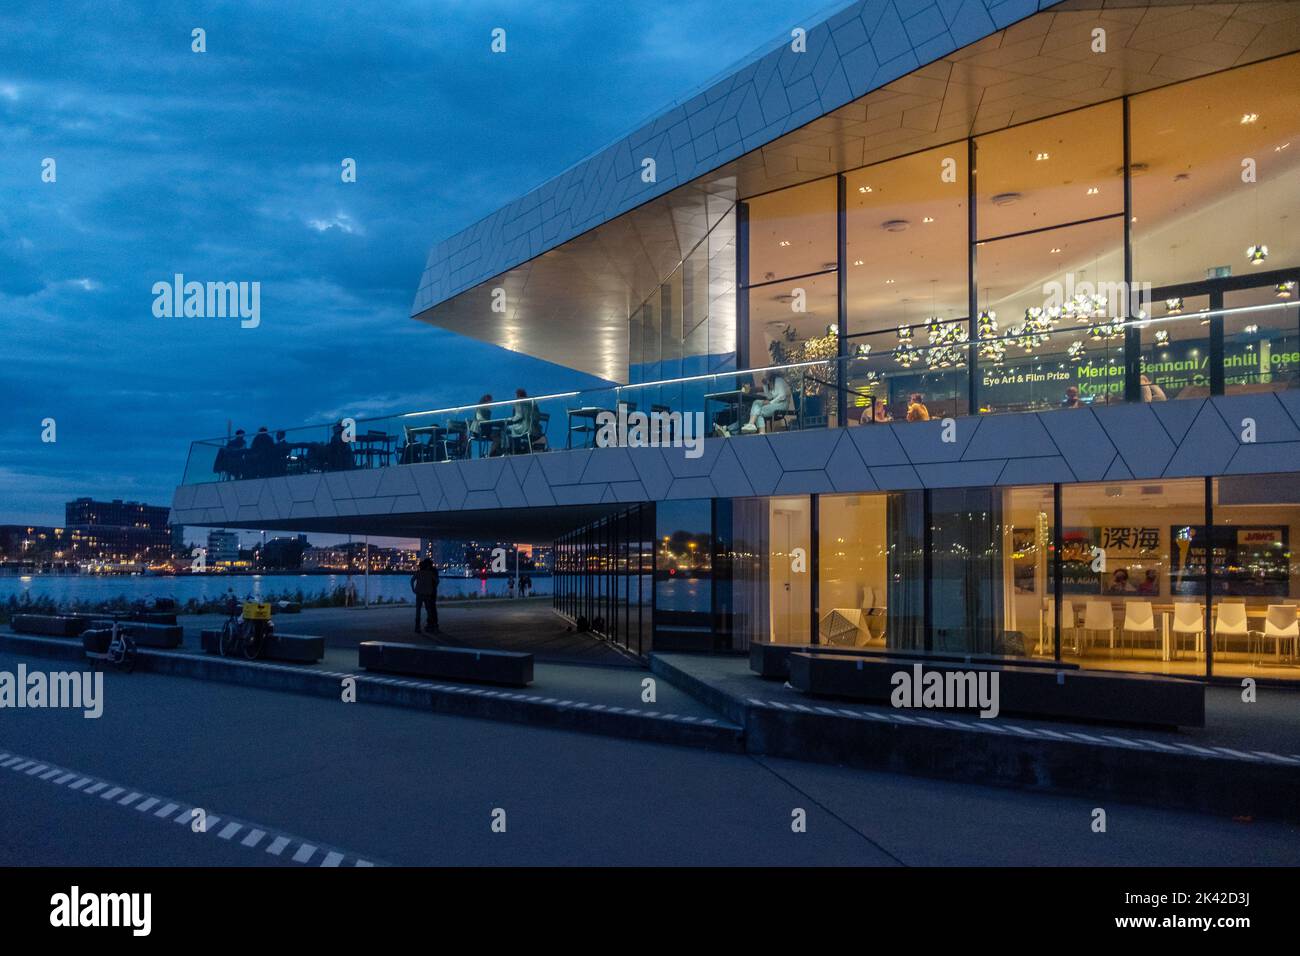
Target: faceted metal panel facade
point(859, 49)
point(1162, 440)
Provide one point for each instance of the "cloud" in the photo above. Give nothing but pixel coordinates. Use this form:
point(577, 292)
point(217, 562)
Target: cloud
point(225, 166)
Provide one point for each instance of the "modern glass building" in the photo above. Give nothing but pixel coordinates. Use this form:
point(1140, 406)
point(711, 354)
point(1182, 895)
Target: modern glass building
point(1013, 287)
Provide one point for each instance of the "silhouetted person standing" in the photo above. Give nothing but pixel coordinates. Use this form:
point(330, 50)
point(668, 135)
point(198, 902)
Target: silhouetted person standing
point(424, 583)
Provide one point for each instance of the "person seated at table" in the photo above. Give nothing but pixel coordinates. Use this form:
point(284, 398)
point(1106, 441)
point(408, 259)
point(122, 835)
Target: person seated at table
point(338, 456)
point(875, 411)
point(230, 459)
point(779, 401)
point(523, 423)
point(916, 410)
point(261, 453)
point(283, 454)
point(727, 422)
point(482, 414)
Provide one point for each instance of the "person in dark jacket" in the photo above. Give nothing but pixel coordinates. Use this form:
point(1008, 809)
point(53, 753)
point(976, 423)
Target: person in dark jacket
point(424, 584)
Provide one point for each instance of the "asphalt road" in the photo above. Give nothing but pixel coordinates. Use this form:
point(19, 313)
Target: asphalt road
point(386, 785)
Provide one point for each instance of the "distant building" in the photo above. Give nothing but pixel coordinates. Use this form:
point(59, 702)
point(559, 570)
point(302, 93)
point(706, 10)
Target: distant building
point(117, 532)
point(281, 554)
point(223, 547)
point(179, 550)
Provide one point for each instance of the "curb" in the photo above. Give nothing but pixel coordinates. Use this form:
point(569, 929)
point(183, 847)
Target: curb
point(463, 700)
point(1100, 763)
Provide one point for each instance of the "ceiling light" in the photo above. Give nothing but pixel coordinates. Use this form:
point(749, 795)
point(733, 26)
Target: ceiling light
point(1251, 329)
point(1042, 156)
point(864, 189)
point(889, 282)
point(1093, 190)
point(857, 262)
point(1257, 254)
point(1055, 250)
point(928, 219)
point(783, 243)
point(1248, 118)
point(1173, 306)
point(1285, 290)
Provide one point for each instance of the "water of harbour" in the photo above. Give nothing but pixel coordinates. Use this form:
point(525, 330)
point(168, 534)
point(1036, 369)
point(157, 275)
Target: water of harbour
point(67, 589)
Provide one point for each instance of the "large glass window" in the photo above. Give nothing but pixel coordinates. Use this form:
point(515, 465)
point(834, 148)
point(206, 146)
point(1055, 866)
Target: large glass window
point(792, 232)
point(906, 265)
point(771, 564)
point(1256, 576)
point(1133, 575)
point(1062, 169)
point(684, 574)
point(1216, 170)
point(988, 570)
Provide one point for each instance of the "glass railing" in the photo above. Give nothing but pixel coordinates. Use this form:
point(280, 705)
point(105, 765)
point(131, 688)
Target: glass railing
point(913, 373)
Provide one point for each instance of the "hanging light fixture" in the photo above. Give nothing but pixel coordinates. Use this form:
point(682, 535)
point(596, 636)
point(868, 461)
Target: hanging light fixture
point(1076, 350)
point(1174, 306)
point(1162, 337)
point(1257, 254)
point(1285, 290)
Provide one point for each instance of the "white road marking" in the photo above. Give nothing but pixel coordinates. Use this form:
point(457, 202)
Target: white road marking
point(183, 814)
point(304, 853)
point(277, 846)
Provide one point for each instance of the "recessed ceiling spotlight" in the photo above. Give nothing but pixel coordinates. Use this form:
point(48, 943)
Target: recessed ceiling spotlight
point(1257, 254)
point(928, 219)
point(889, 282)
point(1055, 250)
point(1093, 190)
point(1248, 118)
point(857, 262)
point(1278, 149)
point(864, 189)
point(1042, 156)
point(783, 243)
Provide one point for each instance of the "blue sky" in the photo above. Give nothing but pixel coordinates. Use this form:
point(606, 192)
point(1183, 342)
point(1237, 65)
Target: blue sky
point(225, 166)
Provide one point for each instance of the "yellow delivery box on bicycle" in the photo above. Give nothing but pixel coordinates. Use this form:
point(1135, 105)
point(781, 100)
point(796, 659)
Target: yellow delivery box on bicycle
point(257, 611)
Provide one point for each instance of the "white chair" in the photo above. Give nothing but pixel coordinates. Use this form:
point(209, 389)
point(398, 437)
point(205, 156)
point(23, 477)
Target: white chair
point(1099, 618)
point(1189, 619)
point(1045, 641)
point(1230, 621)
point(1280, 624)
point(1139, 618)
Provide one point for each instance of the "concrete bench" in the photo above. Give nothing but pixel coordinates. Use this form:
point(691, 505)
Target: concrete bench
point(772, 661)
point(50, 625)
point(1104, 696)
point(296, 648)
point(512, 668)
point(152, 635)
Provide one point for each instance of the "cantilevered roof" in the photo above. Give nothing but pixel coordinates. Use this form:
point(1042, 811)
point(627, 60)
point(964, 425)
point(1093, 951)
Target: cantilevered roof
point(880, 78)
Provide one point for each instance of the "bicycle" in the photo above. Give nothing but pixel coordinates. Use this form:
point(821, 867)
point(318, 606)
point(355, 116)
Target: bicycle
point(113, 645)
point(246, 630)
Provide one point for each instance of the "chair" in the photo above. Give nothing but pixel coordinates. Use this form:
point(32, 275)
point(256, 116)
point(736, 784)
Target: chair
point(1280, 624)
point(1098, 617)
point(1049, 626)
point(1230, 621)
point(537, 440)
point(1139, 618)
point(1189, 619)
point(455, 441)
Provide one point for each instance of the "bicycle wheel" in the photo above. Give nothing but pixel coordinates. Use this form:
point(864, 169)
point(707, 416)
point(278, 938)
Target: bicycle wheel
point(229, 639)
point(128, 655)
point(253, 642)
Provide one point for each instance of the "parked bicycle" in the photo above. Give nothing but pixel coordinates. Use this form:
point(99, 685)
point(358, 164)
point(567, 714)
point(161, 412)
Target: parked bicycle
point(247, 629)
point(108, 641)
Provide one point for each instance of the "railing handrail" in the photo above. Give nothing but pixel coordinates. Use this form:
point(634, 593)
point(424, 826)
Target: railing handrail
point(1007, 336)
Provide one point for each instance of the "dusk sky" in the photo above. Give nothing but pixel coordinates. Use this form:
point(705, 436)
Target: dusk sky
point(225, 166)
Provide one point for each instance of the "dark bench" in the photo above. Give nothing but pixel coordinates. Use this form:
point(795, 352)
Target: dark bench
point(297, 648)
point(771, 661)
point(1104, 696)
point(512, 668)
point(51, 625)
